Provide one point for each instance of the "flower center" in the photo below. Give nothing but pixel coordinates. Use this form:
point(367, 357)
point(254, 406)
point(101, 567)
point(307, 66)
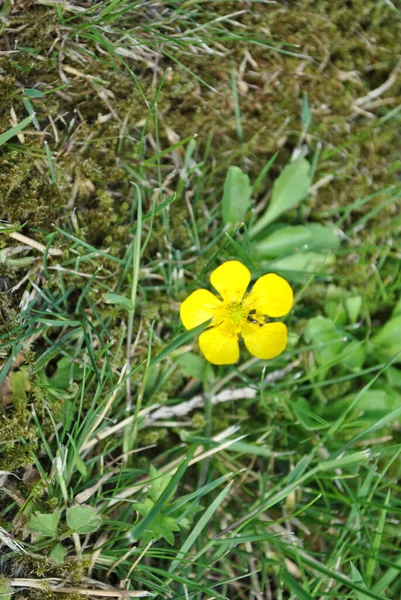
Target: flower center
point(235, 312)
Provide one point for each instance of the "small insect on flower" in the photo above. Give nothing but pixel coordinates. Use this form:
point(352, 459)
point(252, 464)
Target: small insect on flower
point(239, 313)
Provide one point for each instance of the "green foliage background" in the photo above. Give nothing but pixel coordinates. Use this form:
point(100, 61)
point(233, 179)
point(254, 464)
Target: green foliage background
point(143, 143)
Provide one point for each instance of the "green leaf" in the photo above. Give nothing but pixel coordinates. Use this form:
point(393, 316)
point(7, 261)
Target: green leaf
point(293, 585)
point(354, 355)
point(33, 93)
point(306, 115)
point(4, 137)
point(353, 306)
point(289, 239)
point(289, 189)
point(297, 266)
point(306, 416)
point(388, 339)
point(327, 341)
point(120, 301)
point(373, 404)
point(66, 372)
point(146, 523)
point(192, 365)
point(160, 526)
point(397, 307)
point(83, 519)
point(45, 523)
point(357, 578)
point(159, 483)
point(236, 196)
point(334, 304)
point(58, 554)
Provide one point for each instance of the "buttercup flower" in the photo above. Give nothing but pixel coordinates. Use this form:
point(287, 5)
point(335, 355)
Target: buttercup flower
point(238, 313)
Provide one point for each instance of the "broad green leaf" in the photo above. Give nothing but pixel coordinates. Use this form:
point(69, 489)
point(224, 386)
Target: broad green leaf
point(83, 519)
point(388, 339)
point(192, 365)
point(327, 341)
point(373, 404)
point(120, 301)
point(66, 372)
point(353, 306)
point(45, 523)
point(289, 239)
point(298, 266)
point(4, 137)
point(289, 189)
point(354, 355)
point(306, 415)
point(236, 196)
point(58, 554)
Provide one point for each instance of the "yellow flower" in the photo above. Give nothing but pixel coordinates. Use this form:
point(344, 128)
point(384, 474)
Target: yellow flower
point(239, 313)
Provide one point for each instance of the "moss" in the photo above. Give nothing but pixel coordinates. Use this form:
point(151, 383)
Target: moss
point(349, 49)
point(14, 427)
point(28, 195)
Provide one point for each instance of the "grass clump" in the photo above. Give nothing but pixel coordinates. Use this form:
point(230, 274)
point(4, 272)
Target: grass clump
point(128, 464)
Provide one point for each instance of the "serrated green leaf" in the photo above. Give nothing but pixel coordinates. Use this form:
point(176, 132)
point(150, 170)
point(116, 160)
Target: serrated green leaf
point(45, 523)
point(160, 526)
point(120, 301)
point(83, 519)
point(236, 196)
point(289, 189)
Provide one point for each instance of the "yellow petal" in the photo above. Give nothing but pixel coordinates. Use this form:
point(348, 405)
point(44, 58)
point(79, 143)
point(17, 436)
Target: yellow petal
point(265, 341)
point(231, 280)
point(198, 308)
point(219, 346)
point(271, 295)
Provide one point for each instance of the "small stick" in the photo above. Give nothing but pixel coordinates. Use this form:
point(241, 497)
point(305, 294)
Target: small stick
point(180, 410)
point(34, 244)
